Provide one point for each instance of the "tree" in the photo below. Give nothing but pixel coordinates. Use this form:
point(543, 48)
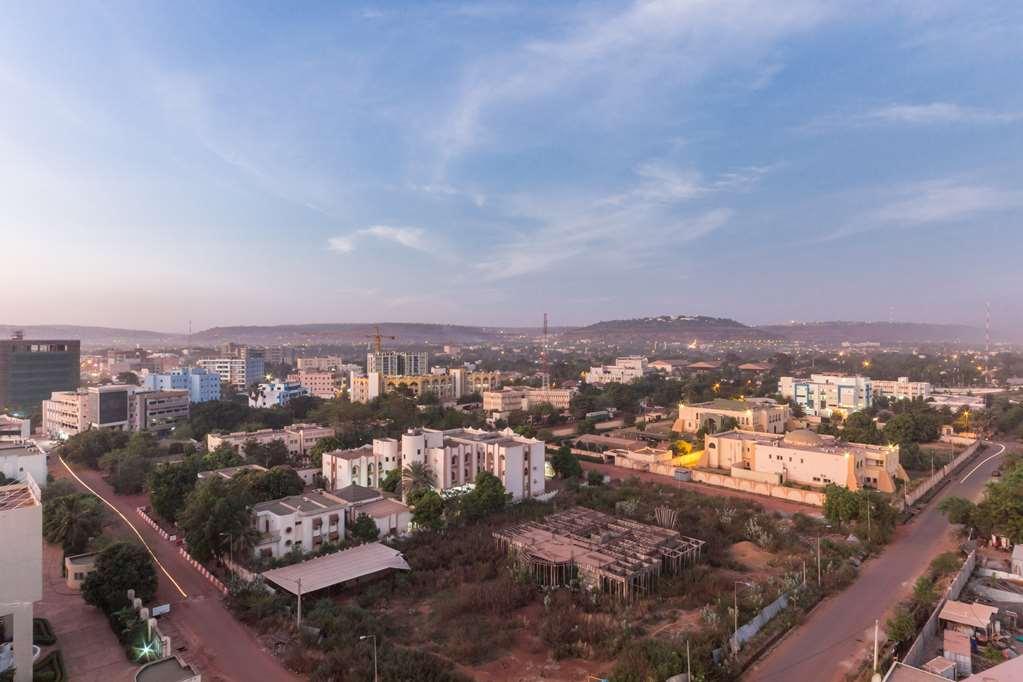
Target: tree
point(88, 446)
point(269, 454)
point(215, 509)
point(415, 478)
point(365, 529)
point(129, 478)
point(223, 457)
point(324, 445)
point(901, 627)
point(170, 485)
point(71, 521)
point(281, 481)
point(487, 497)
point(120, 567)
point(566, 464)
point(129, 378)
point(860, 428)
point(391, 481)
point(428, 510)
point(594, 478)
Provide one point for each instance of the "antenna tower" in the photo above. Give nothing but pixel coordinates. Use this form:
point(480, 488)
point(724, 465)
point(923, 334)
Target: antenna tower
point(987, 342)
point(544, 357)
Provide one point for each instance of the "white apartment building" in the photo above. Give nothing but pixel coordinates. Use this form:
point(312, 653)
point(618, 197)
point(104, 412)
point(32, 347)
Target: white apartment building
point(624, 371)
point(319, 383)
point(298, 438)
point(755, 414)
point(363, 466)
point(823, 394)
point(326, 363)
point(240, 372)
point(302, 521)
point(806, 458)
point(902, 389)
point(18, 459)
point(21, 568)
point(276, 394)
point(202, 384)
point(15, 428)
point(391, 516)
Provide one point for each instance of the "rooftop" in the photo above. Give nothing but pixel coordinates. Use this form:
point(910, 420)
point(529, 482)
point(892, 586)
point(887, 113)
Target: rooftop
point(309, 503)
point(337, 568)
point(19, 495)
point(229, 472)
point(357, 493)
point(730, 405)
point(382, 507)
point(353, 453)
point(166, 670)
point(974, 615)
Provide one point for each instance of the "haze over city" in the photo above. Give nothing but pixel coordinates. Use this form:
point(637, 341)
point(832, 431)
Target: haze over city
point(479, 163)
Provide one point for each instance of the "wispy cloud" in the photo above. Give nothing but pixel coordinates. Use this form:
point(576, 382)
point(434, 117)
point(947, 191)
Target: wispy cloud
point(935, 202)
point(409, 237)
point(930, 114)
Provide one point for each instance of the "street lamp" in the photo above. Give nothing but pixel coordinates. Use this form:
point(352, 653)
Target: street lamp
point(374, 638)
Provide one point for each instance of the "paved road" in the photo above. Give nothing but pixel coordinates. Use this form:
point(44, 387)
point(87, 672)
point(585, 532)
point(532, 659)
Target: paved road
point(224, 649)
point(839, 632)
point(771, 503)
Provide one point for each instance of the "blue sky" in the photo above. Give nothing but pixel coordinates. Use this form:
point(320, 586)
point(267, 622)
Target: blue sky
point(481, 163)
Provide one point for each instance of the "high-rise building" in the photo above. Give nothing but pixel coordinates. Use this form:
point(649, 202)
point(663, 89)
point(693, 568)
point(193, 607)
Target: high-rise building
point(202, 384)
point(239, 372)
point(31, 369)
point(397, 363)
point(823, 394)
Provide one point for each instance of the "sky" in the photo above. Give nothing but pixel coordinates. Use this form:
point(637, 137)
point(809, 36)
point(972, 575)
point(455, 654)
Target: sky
point(484, 163)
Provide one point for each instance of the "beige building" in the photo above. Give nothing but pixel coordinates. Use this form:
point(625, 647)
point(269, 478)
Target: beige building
point(755, 414)
point(115, 406)
point(509, 399)
point(654, 460)
point(21, 572)
point(391, 516)
point(298, 438)
point(447, 386)
point(77, 568)
point(902, 389)
point(364, 466)
point(804, 457)
point(318, 383)
point(624, 371)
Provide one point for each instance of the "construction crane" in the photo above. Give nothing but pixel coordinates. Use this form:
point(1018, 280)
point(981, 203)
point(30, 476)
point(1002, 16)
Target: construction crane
point(378, 338)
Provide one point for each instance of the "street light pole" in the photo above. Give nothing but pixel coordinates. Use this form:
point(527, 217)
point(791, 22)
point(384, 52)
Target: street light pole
point(374, 638)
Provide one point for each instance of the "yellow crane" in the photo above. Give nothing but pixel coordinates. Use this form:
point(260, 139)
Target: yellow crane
point(378, 338)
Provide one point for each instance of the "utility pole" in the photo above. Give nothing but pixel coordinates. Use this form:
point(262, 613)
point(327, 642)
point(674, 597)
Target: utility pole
point(875, 646)
point(689, 668)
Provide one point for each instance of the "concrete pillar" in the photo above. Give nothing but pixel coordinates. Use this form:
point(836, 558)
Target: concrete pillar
point(23, 643)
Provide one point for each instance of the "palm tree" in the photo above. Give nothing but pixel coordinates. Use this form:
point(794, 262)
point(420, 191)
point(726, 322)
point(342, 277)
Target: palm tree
point(416, 477)
point(71, 521)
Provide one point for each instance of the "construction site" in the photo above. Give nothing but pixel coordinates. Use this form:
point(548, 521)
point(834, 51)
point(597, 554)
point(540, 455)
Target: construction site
point(613, 555)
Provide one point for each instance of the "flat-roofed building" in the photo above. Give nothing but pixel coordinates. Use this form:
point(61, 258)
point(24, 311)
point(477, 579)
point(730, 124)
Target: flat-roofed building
point(391, 516)
point(763, 415)
point(20, 458)
point(298, 438)
point(68, 413)
point(363, 466)
point(240, 372)
point(158, 411)
point(624, 371)
point(805, 458)
point(202, 384)
point(276, 394)
point(902, 389)
point(303, 521)
point(507, 399)
point(21, 568)
point(447, 386)
point(77, 568)
point(15, 428)
point(227, 473)
point(32, 369)
point(822, 394)
point(321, 384)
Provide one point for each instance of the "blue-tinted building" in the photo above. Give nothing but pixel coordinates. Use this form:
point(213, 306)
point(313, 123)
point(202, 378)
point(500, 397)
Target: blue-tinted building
point(202, 384)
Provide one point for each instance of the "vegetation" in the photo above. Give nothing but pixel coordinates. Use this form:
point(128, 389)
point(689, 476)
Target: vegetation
point(72, 521)
point(217, 513)
point(120, 567)
point(365, 529)
point(88, 446)
point(850, 509)
point(1001, 510)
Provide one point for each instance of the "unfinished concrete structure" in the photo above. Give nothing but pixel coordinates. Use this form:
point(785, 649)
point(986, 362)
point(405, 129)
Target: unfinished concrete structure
point(603, 552)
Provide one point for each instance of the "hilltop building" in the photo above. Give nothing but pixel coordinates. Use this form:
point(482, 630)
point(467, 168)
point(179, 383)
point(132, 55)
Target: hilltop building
point(823, 394)
point(754, 414)
point(805, 458)
point(624, 371)
point(31, 369)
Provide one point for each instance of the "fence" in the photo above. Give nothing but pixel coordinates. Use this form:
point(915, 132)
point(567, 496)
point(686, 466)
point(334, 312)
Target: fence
point(203, 570)
point(750, 629)
point(151, 523)
point(918, 653)
point(811, 497)
point(239, 570)
point(913, 496)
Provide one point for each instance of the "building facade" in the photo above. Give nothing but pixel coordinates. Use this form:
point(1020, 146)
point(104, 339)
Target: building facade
point(762, 415)
point(447, 386)
point(823, 394)
point(20, 459)
point(298, 438)
point(363, 466)
point(14, 428)
point(902, 389)
point(276, 394)
point(321, 384)
point(202, 384)
point(398, 363)
point(158, 411)
point(624, 371)
point(116, 406)
point(239, 372)
point(805, 458)
point(523, 398)
point(298, 523)
point(31, 369)
point(21, 559)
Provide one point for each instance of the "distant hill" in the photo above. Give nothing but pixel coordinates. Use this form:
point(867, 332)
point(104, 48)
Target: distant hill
point(880, 332)
point(407, 333)
point(94, 336)
point(679, 328)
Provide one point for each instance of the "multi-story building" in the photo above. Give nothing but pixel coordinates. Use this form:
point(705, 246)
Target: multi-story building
point(624, 371)
point(319, 384)
point(298, 523)
point(19, 459)
point(31, 369)
point(365, 466)
point(398, 363)
point(276, 394)
point(15, 428)
point(524, 397)
point(447, 386)
point(21, 565)
point(158, 411)
point(202, 384)
point(326, 363)
point(391, 516)
point(239, 372)
point(902, 389)
point(68, 413)
point(298, 438)
point(805, 458)
point(754, 414)
point(823, 394)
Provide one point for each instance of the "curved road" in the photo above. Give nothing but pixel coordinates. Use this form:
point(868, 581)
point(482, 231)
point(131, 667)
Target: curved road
point(222, 648)
point(838, 634)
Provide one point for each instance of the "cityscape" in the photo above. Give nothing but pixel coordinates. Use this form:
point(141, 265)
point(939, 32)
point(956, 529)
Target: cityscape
point(627, 341)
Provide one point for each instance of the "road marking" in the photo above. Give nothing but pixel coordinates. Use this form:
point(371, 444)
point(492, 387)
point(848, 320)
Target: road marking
point(983, 462)
point(130, 525)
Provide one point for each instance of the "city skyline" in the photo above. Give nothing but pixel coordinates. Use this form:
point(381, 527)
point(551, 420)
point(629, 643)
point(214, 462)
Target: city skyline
point(484, 163)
